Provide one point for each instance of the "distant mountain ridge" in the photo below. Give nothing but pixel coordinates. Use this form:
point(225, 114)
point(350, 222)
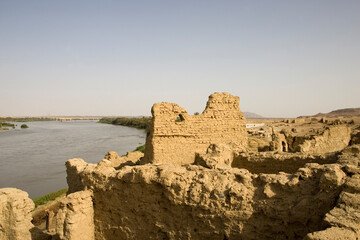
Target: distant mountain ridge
point(250, 115)
point(344, 112)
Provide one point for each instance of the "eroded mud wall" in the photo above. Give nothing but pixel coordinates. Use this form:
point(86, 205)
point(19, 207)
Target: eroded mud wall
point(75, 218)
point(334, 138)
point(175, 136)
point(175, 202)
point(15, 214)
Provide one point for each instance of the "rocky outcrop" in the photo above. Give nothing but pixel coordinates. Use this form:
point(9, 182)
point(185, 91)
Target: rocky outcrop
point(75, 218)
point(175, 136)
point(15, 214)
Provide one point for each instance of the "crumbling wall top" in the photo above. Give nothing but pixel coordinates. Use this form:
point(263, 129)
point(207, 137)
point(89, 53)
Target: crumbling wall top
point(175, 136)
point(222, 102)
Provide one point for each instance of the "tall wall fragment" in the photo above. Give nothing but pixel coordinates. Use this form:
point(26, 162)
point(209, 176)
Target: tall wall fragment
point(175, 136)
point(15, 214)
point(75, 219)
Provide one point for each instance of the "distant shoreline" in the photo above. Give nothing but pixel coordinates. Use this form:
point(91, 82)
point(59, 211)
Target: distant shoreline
point(52, 118)
point(135, 122)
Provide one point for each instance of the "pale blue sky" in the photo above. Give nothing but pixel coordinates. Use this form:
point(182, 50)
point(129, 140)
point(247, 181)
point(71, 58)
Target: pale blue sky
point(282, 58)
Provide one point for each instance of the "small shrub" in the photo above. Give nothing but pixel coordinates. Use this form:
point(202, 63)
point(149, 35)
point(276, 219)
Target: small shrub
point(140, 149)
point(140, 123)
point(5, 124)
point(180, 118)
point(24, 126)
point(49, 197)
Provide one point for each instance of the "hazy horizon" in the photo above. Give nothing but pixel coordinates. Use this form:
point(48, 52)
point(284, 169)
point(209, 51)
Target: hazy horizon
point(117, 58)
point(148, 115)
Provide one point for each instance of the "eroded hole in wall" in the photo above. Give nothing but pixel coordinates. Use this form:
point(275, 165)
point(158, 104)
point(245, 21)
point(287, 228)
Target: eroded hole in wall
point(180, 118)
point(284, 147)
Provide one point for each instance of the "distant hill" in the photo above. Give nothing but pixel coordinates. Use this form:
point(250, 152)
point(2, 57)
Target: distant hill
point(250, 115)
point(345, 112)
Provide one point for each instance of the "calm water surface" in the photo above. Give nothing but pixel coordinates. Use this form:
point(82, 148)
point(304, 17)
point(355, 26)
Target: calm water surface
point(34, 159)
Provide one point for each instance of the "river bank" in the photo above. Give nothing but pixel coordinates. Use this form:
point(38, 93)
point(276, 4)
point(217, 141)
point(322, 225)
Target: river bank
point(135, 122)
point(50, 118)
point(6, 126)
point(34, 159)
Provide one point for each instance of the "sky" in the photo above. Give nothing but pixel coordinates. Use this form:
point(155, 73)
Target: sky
point(118, 58)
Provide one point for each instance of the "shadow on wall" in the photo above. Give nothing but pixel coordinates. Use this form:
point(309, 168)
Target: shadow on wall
point(278, 214)
point(273, 164)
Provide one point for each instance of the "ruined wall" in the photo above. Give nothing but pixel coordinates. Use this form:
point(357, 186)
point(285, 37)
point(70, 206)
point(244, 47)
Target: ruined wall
point(343, 220)
point(15, 214)
point(130, 159)
point(268, 162)
point(176, 142)
point(279, 143)
point(175, 202)
point(72, 177)
point(231, 195)
point(323, 140)
point(111, 159)
point(334, 138)
point(75, 218)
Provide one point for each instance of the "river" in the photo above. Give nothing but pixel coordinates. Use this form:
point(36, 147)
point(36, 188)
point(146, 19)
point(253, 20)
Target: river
point(34, 159)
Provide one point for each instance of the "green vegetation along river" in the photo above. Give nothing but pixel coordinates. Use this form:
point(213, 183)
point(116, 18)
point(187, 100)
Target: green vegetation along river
point(34, 159)
point(140, 122)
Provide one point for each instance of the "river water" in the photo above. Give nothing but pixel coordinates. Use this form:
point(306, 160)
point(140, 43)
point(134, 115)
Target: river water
point(34, 159)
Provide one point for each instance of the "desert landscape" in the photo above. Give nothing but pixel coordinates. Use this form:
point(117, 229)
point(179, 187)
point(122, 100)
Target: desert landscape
point(208, 177)
point(224, 120)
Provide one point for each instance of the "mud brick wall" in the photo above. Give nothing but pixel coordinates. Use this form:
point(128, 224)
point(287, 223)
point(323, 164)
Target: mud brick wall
point(175, 136)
